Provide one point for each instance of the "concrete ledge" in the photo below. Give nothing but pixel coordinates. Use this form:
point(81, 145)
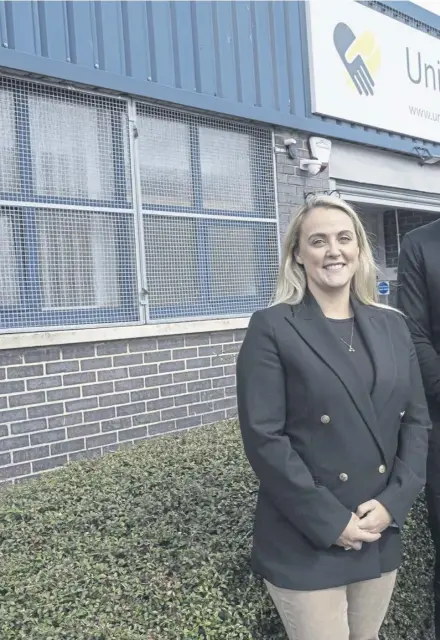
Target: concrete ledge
point(104, 334)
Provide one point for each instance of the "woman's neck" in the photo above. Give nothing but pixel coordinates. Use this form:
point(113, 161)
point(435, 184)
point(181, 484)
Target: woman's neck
point(334, 304)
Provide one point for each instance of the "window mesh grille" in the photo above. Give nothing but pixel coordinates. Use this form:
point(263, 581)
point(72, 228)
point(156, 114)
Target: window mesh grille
point(209, 218)
point(77, 247)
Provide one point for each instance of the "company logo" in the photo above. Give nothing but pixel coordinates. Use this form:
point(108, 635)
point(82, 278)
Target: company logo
point(360, 56)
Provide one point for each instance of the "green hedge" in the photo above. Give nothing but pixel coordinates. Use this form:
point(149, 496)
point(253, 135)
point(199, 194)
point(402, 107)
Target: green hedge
point(152, 543)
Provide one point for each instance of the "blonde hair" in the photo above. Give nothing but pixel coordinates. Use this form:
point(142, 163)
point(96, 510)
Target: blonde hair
point(292, 284)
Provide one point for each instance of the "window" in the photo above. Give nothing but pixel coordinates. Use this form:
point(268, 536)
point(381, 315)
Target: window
point(77, 246)
point(67, 255)
point(209, 218)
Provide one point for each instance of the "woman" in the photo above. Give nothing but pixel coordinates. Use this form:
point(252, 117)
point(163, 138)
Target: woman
point(335, 425)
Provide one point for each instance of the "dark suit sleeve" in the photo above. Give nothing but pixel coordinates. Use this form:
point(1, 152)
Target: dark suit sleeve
point(283, 475)
point(408, 475)
point(413, 300)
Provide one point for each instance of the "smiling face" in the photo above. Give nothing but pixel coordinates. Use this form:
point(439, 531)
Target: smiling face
point(328, 249)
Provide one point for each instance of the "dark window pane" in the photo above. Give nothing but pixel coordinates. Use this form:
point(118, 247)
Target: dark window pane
point(78, 259)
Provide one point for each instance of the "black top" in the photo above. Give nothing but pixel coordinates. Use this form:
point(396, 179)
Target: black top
point(360, 354)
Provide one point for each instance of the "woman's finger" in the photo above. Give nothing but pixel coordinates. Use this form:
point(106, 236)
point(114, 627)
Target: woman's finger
point(365, 508)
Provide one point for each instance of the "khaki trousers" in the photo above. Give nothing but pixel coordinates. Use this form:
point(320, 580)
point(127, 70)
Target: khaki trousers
point(354, 612)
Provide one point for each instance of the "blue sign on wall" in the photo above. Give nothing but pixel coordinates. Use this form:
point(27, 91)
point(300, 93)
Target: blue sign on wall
point(383, 288)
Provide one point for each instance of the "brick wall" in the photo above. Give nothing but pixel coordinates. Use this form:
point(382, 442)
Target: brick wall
point(408, 220)
point(61, 404)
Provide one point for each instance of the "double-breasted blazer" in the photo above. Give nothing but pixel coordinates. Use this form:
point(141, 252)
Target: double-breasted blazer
point(321, 443)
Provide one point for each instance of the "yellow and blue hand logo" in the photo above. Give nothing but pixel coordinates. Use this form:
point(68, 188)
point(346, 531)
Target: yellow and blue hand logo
point(360, 56)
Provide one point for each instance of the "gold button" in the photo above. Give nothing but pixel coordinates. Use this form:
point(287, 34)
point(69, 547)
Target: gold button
point(343, 477)
point(382, 468)
point(325, 419)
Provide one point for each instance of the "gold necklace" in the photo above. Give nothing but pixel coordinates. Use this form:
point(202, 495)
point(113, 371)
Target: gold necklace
point(350, 346)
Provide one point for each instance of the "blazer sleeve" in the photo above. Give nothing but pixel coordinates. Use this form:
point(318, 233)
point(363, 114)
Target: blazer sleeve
point(413, 300)
point(283, 475)
point(408, 474)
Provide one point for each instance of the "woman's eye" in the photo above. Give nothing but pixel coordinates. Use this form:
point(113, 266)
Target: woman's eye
point(345, 239)
point(318, 243)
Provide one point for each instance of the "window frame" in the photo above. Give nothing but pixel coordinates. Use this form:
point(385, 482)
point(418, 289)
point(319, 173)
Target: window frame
point(129, 209)
point(204, 217)
point(30, 312)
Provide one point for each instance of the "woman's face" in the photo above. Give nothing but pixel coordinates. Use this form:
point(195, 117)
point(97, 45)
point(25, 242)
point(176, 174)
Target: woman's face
point(328, 249)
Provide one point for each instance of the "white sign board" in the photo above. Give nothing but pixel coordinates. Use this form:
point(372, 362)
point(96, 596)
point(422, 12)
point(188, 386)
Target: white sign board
point(373, 70)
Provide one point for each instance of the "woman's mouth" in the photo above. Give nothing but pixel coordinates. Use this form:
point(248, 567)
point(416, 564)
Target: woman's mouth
point(336, 266)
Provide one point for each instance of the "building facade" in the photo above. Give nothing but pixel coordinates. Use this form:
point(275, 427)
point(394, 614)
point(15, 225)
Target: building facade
point(152, 154)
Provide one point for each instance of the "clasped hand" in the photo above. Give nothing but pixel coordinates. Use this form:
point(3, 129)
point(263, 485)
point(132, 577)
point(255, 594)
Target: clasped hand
point(366, 525)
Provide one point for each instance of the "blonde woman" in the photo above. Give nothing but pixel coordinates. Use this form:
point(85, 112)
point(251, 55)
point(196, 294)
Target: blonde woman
point(335, 425)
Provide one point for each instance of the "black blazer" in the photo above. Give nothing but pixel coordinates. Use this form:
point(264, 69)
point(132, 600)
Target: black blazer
point(321, 445)
point(418, 296)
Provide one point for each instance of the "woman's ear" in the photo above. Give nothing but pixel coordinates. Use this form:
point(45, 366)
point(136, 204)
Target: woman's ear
point(298, 259)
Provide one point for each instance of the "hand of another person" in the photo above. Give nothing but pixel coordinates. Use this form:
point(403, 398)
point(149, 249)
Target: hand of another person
point(373, 517)
point(353, 536)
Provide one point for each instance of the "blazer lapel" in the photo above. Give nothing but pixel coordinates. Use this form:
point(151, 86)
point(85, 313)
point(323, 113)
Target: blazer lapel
point(309, 321)
point(376, 332)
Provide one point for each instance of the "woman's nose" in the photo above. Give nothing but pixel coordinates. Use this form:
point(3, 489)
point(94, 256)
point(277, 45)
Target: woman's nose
point(333, 250)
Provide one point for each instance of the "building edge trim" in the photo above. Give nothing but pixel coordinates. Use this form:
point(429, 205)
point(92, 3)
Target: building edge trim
point(107, 334)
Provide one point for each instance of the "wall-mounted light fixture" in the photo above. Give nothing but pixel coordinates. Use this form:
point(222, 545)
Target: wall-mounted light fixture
point(320, 149)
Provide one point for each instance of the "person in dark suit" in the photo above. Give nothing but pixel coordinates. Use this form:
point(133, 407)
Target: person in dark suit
point(418, 296)
point(334, 423)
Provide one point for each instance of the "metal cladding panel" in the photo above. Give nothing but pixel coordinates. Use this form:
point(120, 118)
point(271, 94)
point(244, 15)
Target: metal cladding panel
point(245, 59)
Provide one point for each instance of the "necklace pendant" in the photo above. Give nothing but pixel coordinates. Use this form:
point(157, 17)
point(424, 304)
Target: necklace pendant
point(351, 349)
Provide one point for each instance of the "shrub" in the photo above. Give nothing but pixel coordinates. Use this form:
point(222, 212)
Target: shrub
point(152, 543)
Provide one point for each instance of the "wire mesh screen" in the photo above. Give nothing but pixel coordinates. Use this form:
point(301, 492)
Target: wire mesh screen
point(74, 238)
point(9, 266)
point(200, 267)
point(210, 231)
point(67, 222)
point(79, 258)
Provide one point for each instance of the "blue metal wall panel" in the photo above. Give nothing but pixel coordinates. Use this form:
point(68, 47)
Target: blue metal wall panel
point(136, 30)
point(204, 53)
point(110, 37)
point(226, 52)
point(246, 59)
point(263, 54)
point(185, 72)
point(23, 28)
point(54, 18)
point(244, 53)
point(82, 34)
point(161, 50)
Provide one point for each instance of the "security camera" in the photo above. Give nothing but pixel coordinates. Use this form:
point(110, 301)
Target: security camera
point(312, 166)
point(290, 143)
